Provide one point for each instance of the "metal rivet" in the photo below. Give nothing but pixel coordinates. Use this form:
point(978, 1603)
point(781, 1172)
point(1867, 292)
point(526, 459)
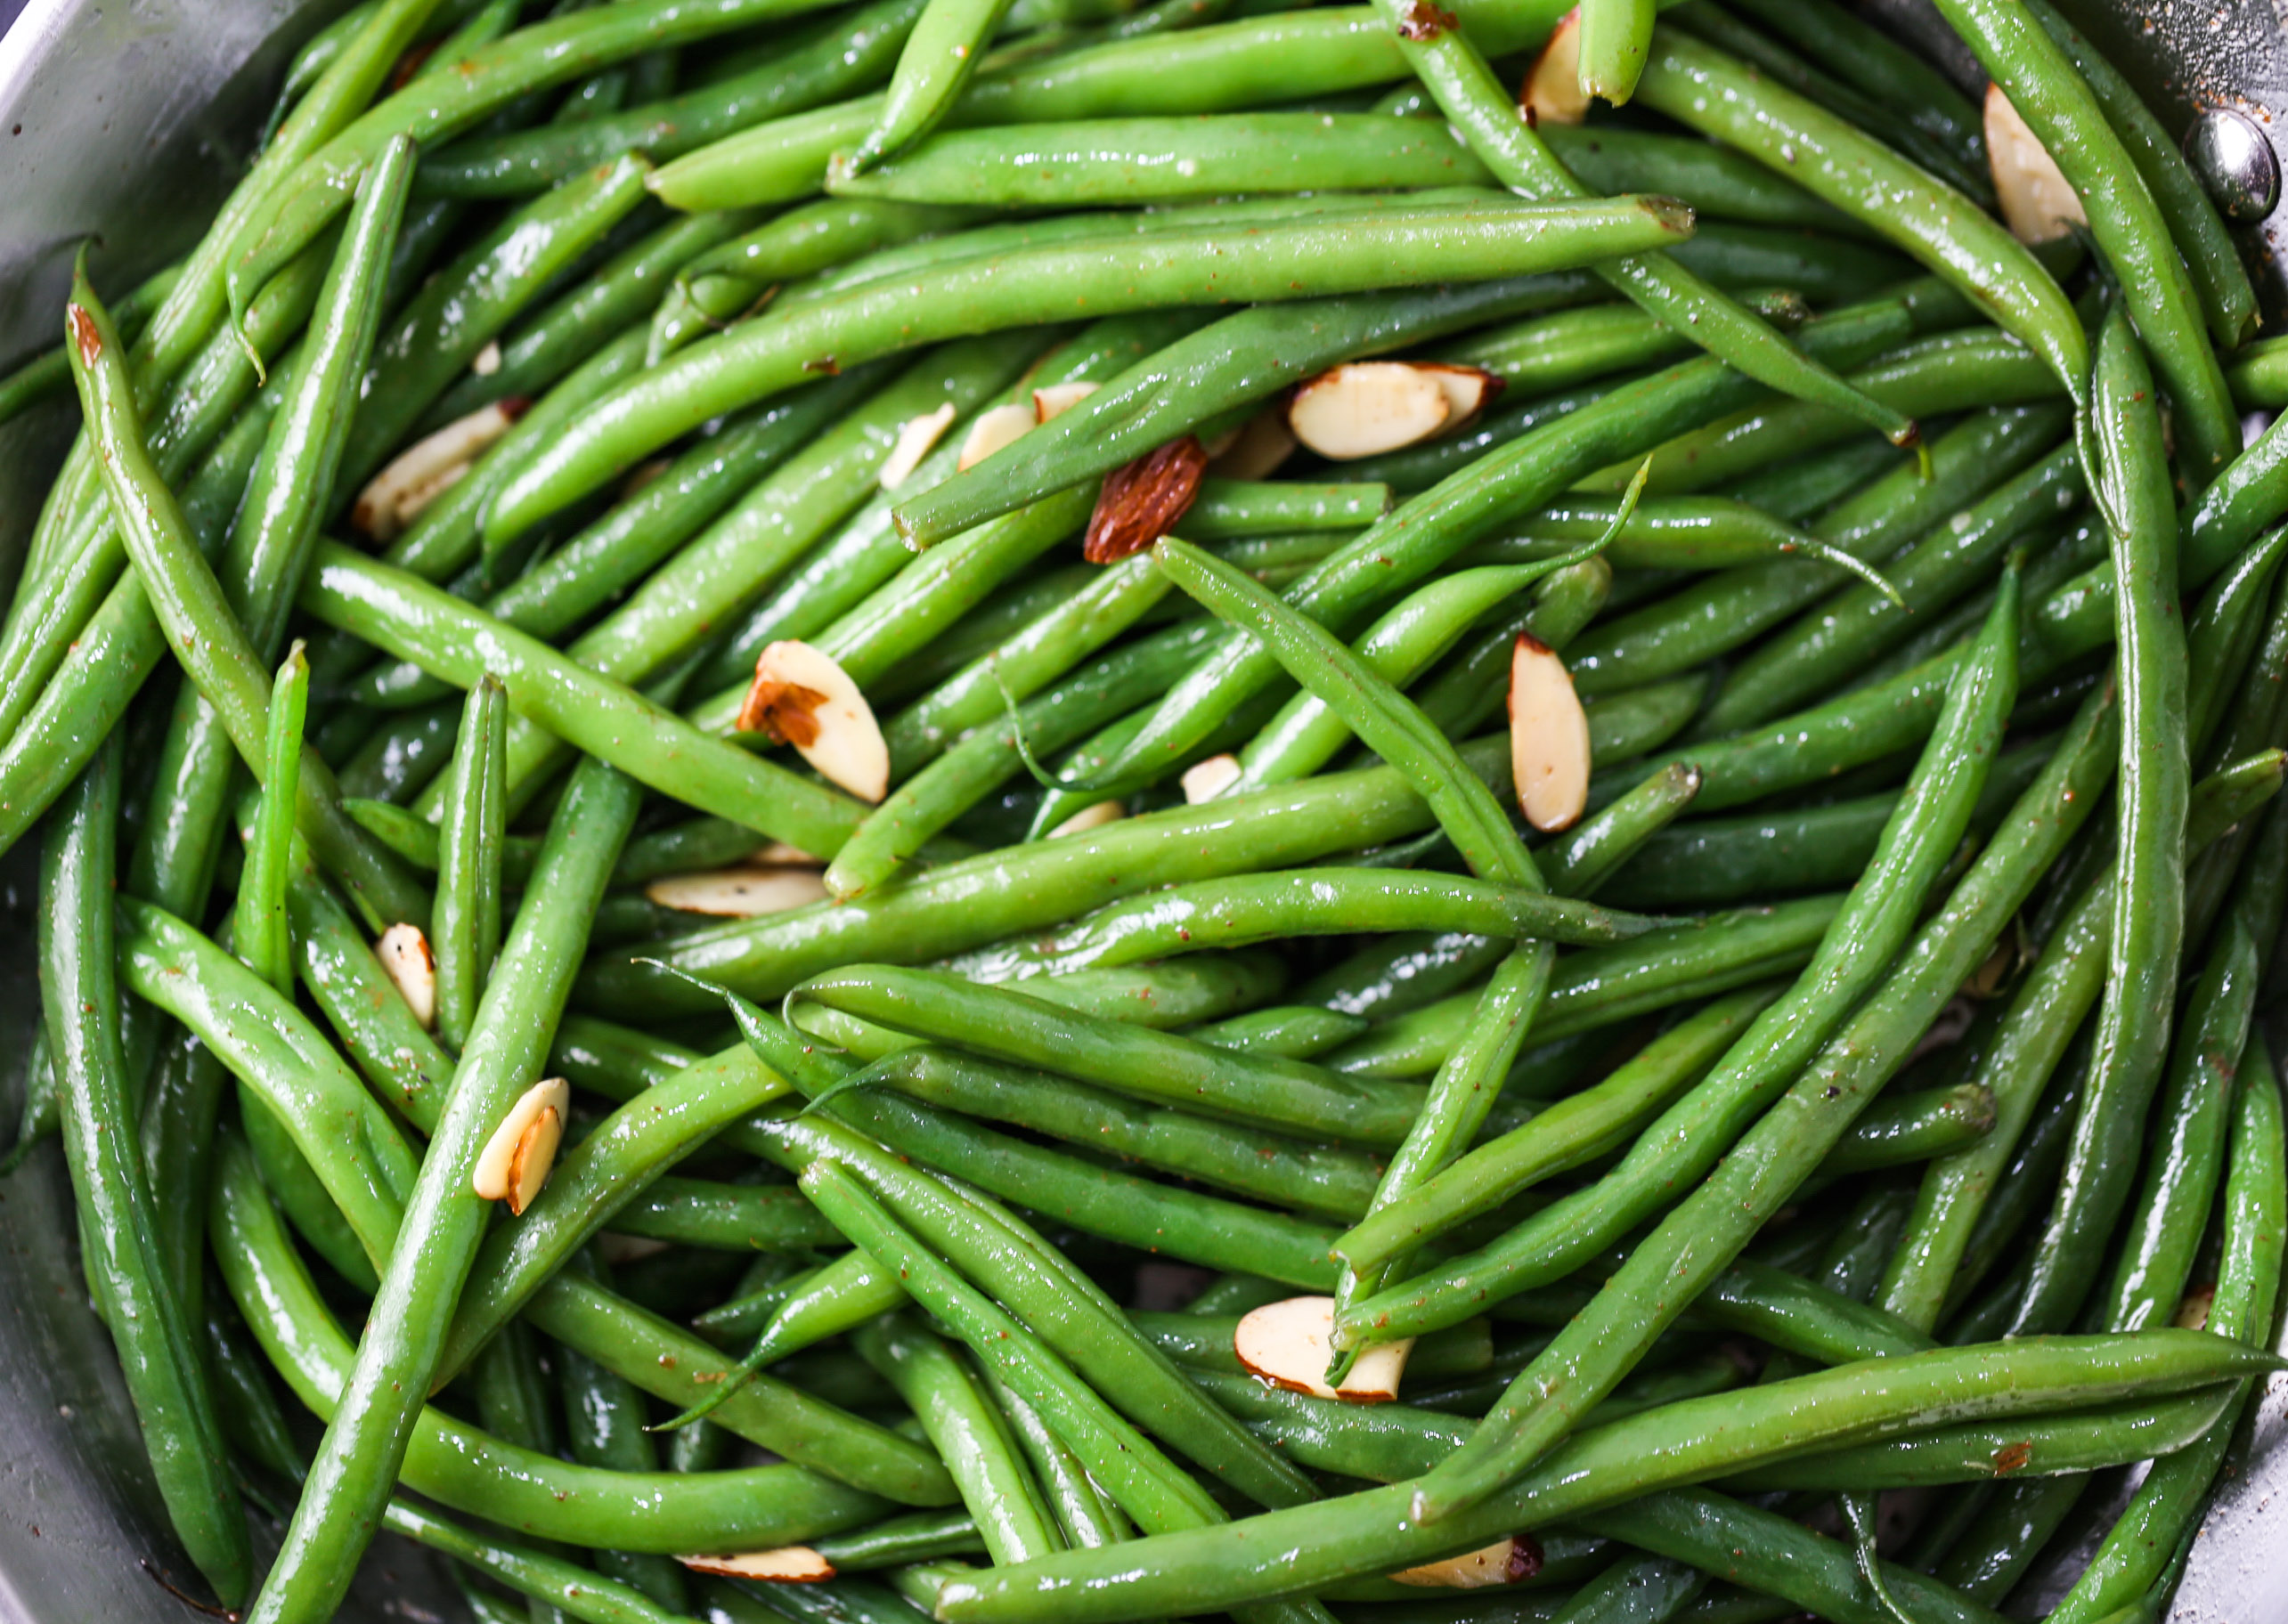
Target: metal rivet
point(2236, 163)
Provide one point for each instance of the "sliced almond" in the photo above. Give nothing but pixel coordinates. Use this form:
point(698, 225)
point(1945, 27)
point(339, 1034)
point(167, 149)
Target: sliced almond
point(1365, 407)
point(1262, 445)
point(488, 358)
point(739, 893)
point(1142, 500)
point(404, 953)
point(615, 1249)
point(789, 1564)
point(2038, 203)
point(918, 437)
point(1058, 399)
point(1549, 737)
point(1552, 88)
point(1089, 817)
point(1206, 780)
point(1467, 390)
point(991, 431)
point(2192, 1309)
point(778, 853)
point(394, 497)
point(1287, 1343)
point(800, 697)
point(515, 1161)
point(1505, 1562)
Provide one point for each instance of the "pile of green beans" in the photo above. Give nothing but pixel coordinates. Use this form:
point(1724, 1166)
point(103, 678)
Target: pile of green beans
point(1685, 897)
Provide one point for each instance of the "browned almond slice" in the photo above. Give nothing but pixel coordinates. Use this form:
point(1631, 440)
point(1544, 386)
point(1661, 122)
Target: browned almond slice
point(516, 1160)
point(2038, 203)
point(1206, 780)
point(739, 893)
point(1090, 817)
point(992, 430)
point(1058, 399)
point(1549, 737)
point(789, 1564)
point(1286, 1343)
point(1257, 451)
point(1365, 407)
point(778, 853)
point(918, 437)
point(404, 953)
point(2193, 1310)
point(1552, 90)
point(488, 358)
point(393, 498)
point(800, 697)
point(1466, 389)
point(1142, 500)
point(1505, 1562)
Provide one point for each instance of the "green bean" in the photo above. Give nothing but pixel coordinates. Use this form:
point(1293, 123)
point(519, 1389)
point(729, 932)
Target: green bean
point(969, 1432)
point(842, 58)
point(258, 927)
point(572, 1591)
point(2257, 376)
point(1875, 924)
point(1879, 66)
point(414, 621)
point(1581, 858)
point(48, 377)
point(1626, 724)
point(1006, 1025)
point(622, 290)
point(1577, 1130)
point(2210, 260)
point(1779, 1557)
point(1916, 1126)
point(459, 1467)
point(2167, 1506)
point(466, 936)
point(1723, 1213)
point(433, 108)
point(2134, 1019)
point(191, 605)
point(595, 1179)
point(368, 1436)
point(1292, 1172)
point(1835, 638)
point(819, 236)
point(1597, 1470)
point(1422, 533)
point(443, 540)
point(916, 1536)
point(126, 1267)
point(723, 1217)
point(948, 44)
point(604, 1427)
point(1084, 1516)
point(1703, 89)
point(1145, 1483)
point(2126, 224)
point(1472, 243)
point(1615, 36)
point(1459, 79)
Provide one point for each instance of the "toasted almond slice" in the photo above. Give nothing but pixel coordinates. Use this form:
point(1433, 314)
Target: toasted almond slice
point(488, 358)
point(800, 697)
point(1365, 407)
point(778, 853)
point(1552, 89)
point(789, 1564)
point(1058, 399)
point(1206, 780)
point(1467, 390)
point(1261, 445)
point(2038, 203)
point(422, 470)
point(534, 1155)
point(1505, 1562)
point(993, 430)
point(739, 893)
point(2193, 1310)
point(1090, 817)
point(404, 953)
point(916, 439)
point(1549, 737)
point(514, 1150)
point(1286, 1343)
point(1142, 500)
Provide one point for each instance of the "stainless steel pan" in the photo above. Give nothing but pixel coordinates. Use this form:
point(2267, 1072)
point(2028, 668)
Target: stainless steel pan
point(127, 118)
